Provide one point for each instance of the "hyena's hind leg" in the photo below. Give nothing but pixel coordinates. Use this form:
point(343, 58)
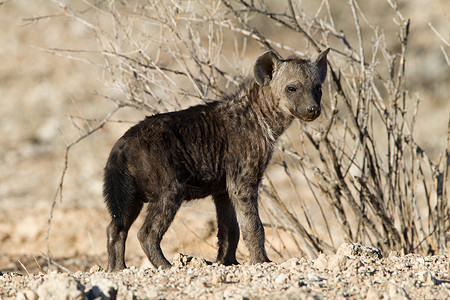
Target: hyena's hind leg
point(160, 215)
point(228, 229)
point(117, 232)
point(121, 199)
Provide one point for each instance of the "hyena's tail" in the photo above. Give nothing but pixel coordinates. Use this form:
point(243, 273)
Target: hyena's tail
point(119, 188)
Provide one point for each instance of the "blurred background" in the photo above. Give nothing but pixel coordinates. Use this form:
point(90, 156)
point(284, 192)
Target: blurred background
point(42, 89)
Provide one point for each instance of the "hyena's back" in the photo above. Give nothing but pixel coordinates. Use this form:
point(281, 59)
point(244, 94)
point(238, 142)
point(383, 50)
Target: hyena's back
point(173, 151)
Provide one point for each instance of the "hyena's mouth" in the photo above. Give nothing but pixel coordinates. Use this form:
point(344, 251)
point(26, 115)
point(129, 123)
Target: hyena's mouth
point(308, 116)
point(309, 119)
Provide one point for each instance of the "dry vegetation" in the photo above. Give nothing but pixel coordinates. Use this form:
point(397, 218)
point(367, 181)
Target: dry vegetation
point(373, 169)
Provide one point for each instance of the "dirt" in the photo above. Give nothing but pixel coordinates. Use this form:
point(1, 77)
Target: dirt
point(40, 90)
point(355, 272)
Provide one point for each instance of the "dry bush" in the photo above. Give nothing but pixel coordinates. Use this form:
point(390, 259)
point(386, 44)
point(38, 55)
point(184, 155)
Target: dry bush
point(367, 177)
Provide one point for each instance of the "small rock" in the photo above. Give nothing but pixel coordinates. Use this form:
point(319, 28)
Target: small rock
point(234, 293)
point(230, 278)
point(95, 269)
point(426, 277)
point(124, 293)
point(246, 277)
point(314, 277)
point(151, 293)
point(104, 288)
point(290, 263)
point(182, 260)
point(354, 249)
point(201, 283)
point(321, 262)
point(294, 293)
point(77, 274)
point(397, 293)
point(27, 295)
point(281, 279)
point(420, 260)
point(337, 262)
point(199, 262)
point(218, 278)
point(372, 294)
point(60, 286)
point(423, 276)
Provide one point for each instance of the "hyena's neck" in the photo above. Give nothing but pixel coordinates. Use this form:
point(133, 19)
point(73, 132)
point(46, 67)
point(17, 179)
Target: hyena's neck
point(267, 110)
point(254, 108)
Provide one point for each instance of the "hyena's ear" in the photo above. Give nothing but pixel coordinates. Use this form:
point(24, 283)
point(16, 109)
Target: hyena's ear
point(321, 62)
point(264, 67)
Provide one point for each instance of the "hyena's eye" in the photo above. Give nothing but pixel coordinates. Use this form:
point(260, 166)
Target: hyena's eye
point(291, 88)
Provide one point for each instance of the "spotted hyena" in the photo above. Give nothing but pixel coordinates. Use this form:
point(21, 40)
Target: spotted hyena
point(220, 149)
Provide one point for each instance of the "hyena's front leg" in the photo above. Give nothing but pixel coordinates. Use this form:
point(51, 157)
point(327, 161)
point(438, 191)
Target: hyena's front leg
point(252, 230)
point(228, 229)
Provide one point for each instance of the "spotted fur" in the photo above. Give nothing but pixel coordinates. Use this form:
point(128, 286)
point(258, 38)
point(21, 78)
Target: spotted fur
point(220, 148)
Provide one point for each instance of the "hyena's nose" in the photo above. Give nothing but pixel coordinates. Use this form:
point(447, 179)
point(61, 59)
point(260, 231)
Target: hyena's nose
point(313, 111)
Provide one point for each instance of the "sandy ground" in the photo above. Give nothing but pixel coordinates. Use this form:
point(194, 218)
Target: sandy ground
point(39, 90)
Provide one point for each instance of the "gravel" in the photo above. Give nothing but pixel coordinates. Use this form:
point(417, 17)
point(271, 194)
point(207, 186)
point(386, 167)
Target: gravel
point(354, 272)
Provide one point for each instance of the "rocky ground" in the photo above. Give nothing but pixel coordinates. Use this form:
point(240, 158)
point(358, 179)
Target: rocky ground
point(40, 90)
point(354, 272)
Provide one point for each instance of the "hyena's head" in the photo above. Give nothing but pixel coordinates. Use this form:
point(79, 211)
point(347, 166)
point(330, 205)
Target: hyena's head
point(296, 83)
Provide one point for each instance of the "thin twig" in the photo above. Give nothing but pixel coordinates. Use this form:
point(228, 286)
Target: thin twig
point(23, 267)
